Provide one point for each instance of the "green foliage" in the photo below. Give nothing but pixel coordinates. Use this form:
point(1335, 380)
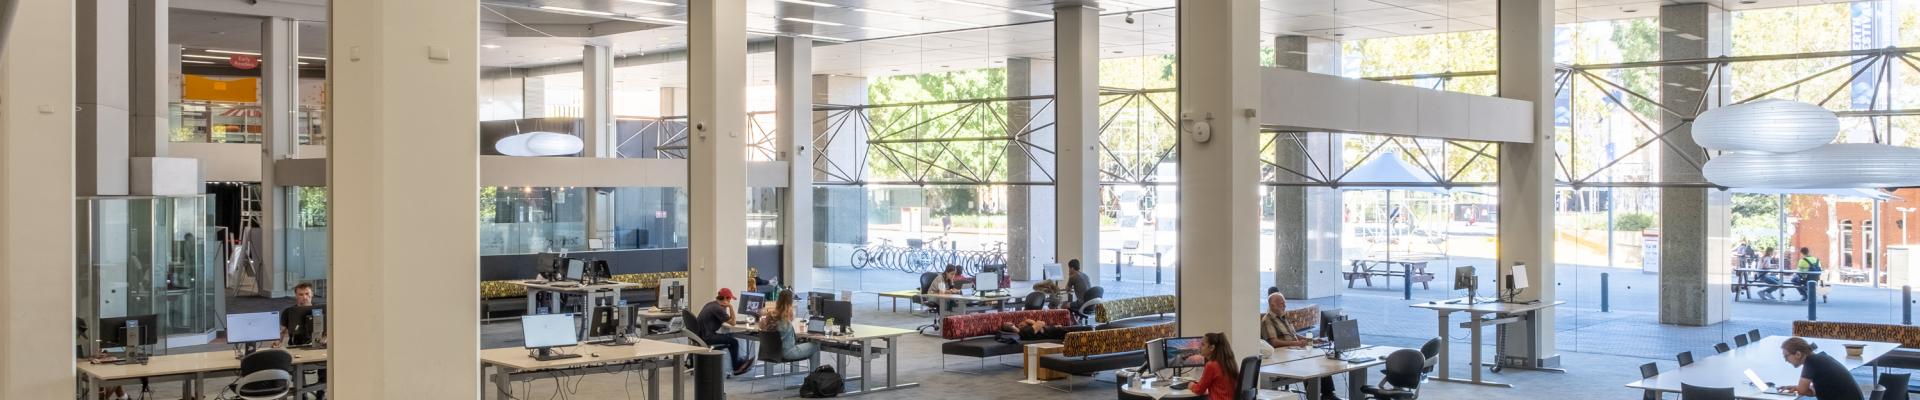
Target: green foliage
point(313, 206)
point(1633, 222)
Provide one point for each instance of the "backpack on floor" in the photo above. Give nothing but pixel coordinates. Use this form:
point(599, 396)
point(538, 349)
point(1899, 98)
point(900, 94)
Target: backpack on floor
point(822, 383)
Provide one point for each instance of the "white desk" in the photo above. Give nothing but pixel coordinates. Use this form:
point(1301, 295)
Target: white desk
point(1729, 369)
point(609, 289)
point(1477, 313)
point(512, 363)
point(192, 368)
point(859, 343)
point(1311, 369)
point(641, 321)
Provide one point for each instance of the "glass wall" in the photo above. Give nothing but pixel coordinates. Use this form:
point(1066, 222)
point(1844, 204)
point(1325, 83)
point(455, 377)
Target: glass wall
point(307, 244)
point(150, 256)
point(521, 220)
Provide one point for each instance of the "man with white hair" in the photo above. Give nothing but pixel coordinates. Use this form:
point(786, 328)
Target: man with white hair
point(1277, 332)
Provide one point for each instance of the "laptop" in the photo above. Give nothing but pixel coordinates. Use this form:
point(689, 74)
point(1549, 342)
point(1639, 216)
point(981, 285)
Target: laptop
point(1754, 379)
point(816, 326)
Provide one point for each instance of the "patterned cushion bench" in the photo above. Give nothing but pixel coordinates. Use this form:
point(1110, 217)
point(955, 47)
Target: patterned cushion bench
point(971, 335)
point(1907, 356)
point(1089, 352)
point(1135, 312)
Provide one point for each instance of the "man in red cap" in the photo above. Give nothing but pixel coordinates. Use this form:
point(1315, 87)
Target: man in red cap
point(715, 314)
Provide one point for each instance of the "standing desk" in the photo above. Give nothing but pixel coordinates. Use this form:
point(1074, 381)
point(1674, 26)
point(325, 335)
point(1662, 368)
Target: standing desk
point(860, 344)
point(1503, 313)
point(516, 364)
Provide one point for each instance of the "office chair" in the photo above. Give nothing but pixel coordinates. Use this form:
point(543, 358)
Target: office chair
point(1402, 380)
point(1648, 371)
point(690, 329)
point(1721, 347)
point(1691, 392)
point(1431, 351)
point(1685, 357)
point(926, 282)
point(1035, 301)
point(1249, 382)
point(1753, 336)
point(264, 375)
point(1084, 310)
point(771, 353)
point(1740, 341)
point(1892, 386)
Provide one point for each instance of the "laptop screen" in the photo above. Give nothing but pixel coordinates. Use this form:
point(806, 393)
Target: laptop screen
point(1754, 378)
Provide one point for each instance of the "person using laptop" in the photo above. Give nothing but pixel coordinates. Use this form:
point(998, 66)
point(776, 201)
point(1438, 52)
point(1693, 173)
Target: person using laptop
point(1277, 332)
point(718, 313)
point(779, 318)
point(1821, 376)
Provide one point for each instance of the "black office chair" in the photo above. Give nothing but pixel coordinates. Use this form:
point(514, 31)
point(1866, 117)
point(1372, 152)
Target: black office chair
point(690, 328)
point(1035, 301)
point(1721, 347)
point(1431, 351)
point(1685, 357)
point(1691, 392)
point(1740, 341)
point(1892, 386)
point(926, 282)
point(1249, 382)
point(1085, 307)
point(1753, 336)
point(265, 375)
point(772, 353)
point(1648, 371)
point(1402, 380)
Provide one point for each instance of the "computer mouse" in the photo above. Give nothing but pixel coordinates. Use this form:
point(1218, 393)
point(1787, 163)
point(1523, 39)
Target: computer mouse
point(1180, 386)
point(595, 355)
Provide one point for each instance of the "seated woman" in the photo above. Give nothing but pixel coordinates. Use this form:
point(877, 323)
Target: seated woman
point(779, 318)
point(1220, 380)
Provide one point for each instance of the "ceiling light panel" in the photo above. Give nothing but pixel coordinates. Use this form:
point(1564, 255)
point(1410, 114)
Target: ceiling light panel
point(815, 22)
point(810, 3)
point(651, 2)
point(576, 11)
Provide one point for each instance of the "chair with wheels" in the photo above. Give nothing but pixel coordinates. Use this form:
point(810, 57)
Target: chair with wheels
point(1431, 351)
point(1647, 371)
point(1084, 308)
point(926, 282)
point(772, 352)
point(1753, 336)
point(1249, 382)
point(1691, 392)
point(264, 375)
point(1685, 358)
point(1403, 376)
point(690, 329)
point(1892, 386)
point(1721, 347)
point(1035, 301)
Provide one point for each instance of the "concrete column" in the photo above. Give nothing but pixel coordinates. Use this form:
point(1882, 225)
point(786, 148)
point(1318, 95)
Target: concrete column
point(279, 105)
point(597, 82)
point(1307, 219)
point(793, 114)
point(151, 78)
point(1219, 89)
point(673, 102)
point(840, 153)
point(1076, 41)
point(716, 75)
point(1526, 231)
point(1030, 208)
point(1693, 221)
point(36, 200)
point(102, 97)
point(405, 245)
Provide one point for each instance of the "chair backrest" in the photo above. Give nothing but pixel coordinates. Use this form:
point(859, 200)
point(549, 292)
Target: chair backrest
point(1685, 358)
point(1095, 293)
point(771, 350)
point(1431, 349)
point(926, 280)
point(1036, 301)
point(1648, 370)
point(265, 360)
point(1753, 336)
point(1405, 368)
point(1691, 392)
point(1740, 341)
point(265, 374)
point(689, 322)
point(1895, 385)
point(1721, 347)
point(1249, 388)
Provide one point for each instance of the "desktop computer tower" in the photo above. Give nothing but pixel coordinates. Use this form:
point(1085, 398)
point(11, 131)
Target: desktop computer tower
point(1513, 346)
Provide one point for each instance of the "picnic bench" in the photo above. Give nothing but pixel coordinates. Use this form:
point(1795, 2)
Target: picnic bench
point(1410, 271)
point(1745, 280)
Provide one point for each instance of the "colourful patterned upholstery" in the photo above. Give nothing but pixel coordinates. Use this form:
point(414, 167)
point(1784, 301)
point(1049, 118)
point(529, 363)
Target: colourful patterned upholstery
point(501, 290)
point(506, 289)
point(1119, 309)
point(983, 324)
point(650, 280)
point(1303, 318)
point(1906, 336)
point(1109, 341)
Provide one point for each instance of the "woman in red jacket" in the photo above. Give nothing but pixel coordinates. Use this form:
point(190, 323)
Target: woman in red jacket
point(1221, 378)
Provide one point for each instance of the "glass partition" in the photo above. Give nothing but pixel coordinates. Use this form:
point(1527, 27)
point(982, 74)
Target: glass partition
point(307, 244)
point(150, 256)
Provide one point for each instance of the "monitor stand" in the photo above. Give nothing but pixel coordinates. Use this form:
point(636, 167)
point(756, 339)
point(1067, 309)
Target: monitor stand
point(616, 340)
point(547, 354)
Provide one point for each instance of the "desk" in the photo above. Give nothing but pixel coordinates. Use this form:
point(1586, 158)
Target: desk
point(513, 363)
point(193, 368)
point(610, 290)
point(1154, 388)
point(1729, 369)
point(640, 322)
point(896, 295)
point(941, 309)
point(1503, 313)
point(1311, 369)
point(859, 343)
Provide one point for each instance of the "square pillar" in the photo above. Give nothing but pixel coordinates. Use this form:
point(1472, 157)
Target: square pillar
point(403, 195)
point(37, 308)
point(1031, 224)
point(279, 103)
point(1526, 231)
point(596, 67)
point(102, 97)
point(1693, 221)
point(717, 164)
point(151, 79)
point(1307, 219)
point(1219, 62)
point(793, 119)
point(1076, 41)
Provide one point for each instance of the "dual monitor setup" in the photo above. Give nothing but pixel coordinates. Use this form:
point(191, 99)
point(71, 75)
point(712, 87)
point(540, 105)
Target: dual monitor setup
point(552, 267)
point(131, 333)
point(1516, 281)
point(247, 330)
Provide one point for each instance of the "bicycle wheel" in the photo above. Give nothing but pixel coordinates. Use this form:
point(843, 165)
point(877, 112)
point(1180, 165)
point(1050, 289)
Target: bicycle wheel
point(860, 259)
point(921, 260)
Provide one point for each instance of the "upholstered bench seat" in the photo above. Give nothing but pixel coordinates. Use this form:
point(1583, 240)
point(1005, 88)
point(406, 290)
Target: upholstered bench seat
point(1089, 365)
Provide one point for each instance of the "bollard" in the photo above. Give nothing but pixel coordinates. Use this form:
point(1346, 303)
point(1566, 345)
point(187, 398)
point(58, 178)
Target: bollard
point(708, 382)
point(1603, 292)
point(1813, 289)
point(1407, 280)
point(1906, 305)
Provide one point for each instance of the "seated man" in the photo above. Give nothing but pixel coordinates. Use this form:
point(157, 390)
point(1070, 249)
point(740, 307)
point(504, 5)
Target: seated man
point(1821, 376)
point(1277, 332)
point(718, 313)
point(295, 330)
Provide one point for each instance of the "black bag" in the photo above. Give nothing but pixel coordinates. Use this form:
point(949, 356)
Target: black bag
point(822, 383)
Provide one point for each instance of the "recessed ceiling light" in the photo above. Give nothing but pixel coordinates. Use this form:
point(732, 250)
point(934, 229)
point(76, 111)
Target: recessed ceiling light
point(881, 12)
point(810, 3)
point(490, 46)
point(1749, 1)
point(944, 66)
point(575, 10)
point(1036, 14)
point(313, 58)
point(661, 20)
point(657, 3)
point(1629, 10)
point(1123, 4)
point(195, 62)
point(1426, 27)
point(813, 21)
point(760, 32)
point(201, 56)
point(883, 30)
point(826, 38)
point(1116, 52)
point(233, 52)
point(303, 63)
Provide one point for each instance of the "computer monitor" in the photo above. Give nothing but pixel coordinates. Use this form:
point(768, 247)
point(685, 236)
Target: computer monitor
point(576, 268)
point(1184, 352)
point(253, 327)
point(113, 331)
point(841, 311)
point(1156, 355)
point(816, 303)
point(545, 266)
point(599, 270)
point(1518, 280)
point(1463, 278)
point(305, 324)
point(670, 292)
point(1346, 335)
point(542, 332)
point(606, 322)
point(752, 302)
point(986, 282)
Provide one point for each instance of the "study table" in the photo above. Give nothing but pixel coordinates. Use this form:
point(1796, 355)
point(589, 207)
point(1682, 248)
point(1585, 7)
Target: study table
point(1478, 313)
point(859, 343)
point(1309, 370)
point(513, 364)
point(191, 368)
point(1763, 357)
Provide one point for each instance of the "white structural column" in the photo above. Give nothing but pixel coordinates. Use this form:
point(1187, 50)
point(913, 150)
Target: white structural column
point(1693, 221)
point(793, 114)
point(36, 202)
point(154, 59)
point(597, 83)
point(405, 176)
point(1307, 219)
point(716, 77)
point(1076, 41)
point(102, 97)
point(1030, 208)
point(279, 98)
point(1527, 169)
point(1219, 50)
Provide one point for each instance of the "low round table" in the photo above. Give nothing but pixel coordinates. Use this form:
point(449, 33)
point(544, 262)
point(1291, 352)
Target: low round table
point(1154, 389)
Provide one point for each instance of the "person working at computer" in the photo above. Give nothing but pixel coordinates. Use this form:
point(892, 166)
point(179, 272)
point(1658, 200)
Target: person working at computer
point(1808, 263)
point(294, 329)
point(779, 318)
point(718, 313)
point(1220, 379)
point(1277, 332)
point(1821, 376)
point(949, 282)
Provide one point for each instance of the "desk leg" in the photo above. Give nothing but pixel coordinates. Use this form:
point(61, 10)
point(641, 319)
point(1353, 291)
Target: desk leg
point(1356, 379)
point(1406, 283)
point(1313, 389)
point(532, 302)
point(679, 376)
point(1477, 341)
point(503, 382)
point(200, 385)
point(893, 360)
point(1443, 366)
point(866, 364)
